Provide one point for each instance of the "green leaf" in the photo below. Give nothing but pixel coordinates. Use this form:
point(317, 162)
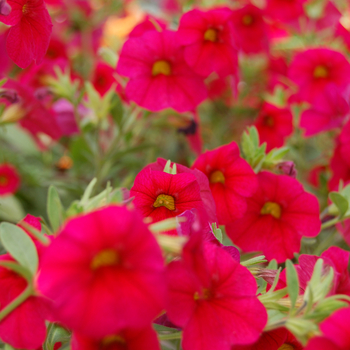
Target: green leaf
point(55, 334)
point(340, 201)
point(19, 246)
point(55, 210)
point(8, 347)
point(19, 269)
point(88, 191)
point(292, 283)
point(272, 265)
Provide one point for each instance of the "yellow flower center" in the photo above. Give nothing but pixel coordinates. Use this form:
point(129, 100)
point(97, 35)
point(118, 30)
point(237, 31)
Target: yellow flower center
point(3, 180)
point(211, 35)
point(271, 208)
point(107, 257)
point(161, 67)
point(205, 295)
point(321, 72)
point(268, 121)
point(286, 347)
point(247, 20)
point(216, 176)
point(112, 339)
point(164, 200)
point(25, 9)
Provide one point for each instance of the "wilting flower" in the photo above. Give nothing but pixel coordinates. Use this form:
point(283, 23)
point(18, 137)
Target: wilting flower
point(29, 35)
point(278, 215)
point(231, 180)
point(312, 70)
point(159, 75)
point(207, 37)
point(112, 266)
point(274, 124)
point(9, 179)
point(213, 298)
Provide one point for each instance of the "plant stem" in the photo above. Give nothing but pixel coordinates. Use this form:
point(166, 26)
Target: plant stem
point(170, 336)
point(329, 223)
point(17, 302)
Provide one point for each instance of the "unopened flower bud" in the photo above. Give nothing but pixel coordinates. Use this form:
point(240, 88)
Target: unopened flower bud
point(5, 8)
point(9, 94)
point(287, 168)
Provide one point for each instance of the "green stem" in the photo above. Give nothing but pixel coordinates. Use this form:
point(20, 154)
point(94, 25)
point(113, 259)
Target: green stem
point(17, 302)
point(177, 335)
point(330, 223)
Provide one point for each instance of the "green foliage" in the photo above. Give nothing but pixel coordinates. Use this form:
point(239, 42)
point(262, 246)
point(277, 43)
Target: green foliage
point(55, 209)
point(19, 246)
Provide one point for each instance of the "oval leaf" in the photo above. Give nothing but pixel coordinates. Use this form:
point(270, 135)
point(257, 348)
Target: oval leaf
point(292, 283)
point(19, 246)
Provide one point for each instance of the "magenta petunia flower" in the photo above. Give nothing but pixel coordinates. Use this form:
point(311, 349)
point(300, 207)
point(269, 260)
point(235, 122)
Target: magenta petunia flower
point(29, 35)
point(279, 214)
point(213, 298)
point(9, 179)
point(274, 124)
point(231, 180)
point(312, 70)
point(110, 276)
point(250, 32)
point(159, 75)
point(205, 193)
point(339, 164)
point(328, 112)
point(160, 195)
point(335, 332)
point(277, 339)
point(207, 37)
point(127, 339)
point(284, 10)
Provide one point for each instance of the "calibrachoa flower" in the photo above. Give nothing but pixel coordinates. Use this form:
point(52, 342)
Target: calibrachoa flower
point(110, 276)
point(159, 76)
point(213, 298)
point(274, 124)
point(328, 112)
point(278, 339)
point(335, 333)
point(278, 215)
point(160, 195)
point(9, 179)
point(207, 37)
point(250, 30)
point(206, 195)
point(231, 180)
point(314, 69)
point(29, 35)
point(24, 327)
point(127, 339)
point(284, 10)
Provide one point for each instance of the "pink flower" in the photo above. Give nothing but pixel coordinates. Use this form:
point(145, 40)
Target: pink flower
point(278, 215)
point(250, 29)
point(207, 37)
point(213, 298)
point(29, 36)
point(231, 180)
point(159, 76)
point(112, 266)
point(160, 195)
point(128, 339)
point(149, 23)
point(103, 77)
point(328, 112)
point(278, 339)
point(205, 193)
point(335, 332)
point(274, 124)
point(9, 179)
point(314, 69)
point(339, 165)
point(284, 10)
point(23, 328)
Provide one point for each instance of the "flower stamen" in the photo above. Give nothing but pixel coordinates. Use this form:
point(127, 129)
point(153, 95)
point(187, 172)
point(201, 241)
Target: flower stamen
point(211, 34)
point(217, 176)
point(164, 200)
point(107, 257)
point(271, 208)
point(161, 67)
